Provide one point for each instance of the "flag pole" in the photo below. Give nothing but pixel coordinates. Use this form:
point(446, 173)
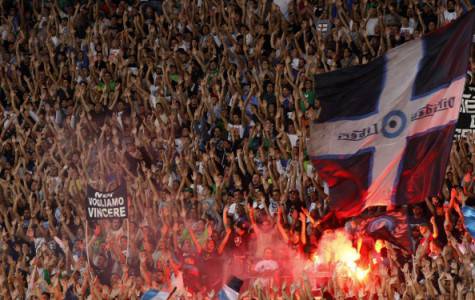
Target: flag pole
point(87, 247)
point(128, 242)
point(171, 293)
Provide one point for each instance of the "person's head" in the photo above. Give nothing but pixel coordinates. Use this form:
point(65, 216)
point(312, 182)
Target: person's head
point(294, 237)
point(79, 245)
point(255, 179)
point(468, 168)
point(205, 30)
point(436, 200)
point(115, 278)
point(210, 245)
point(213, 65)
point(116, 224)
point(286, 91)
point(372, 12)
point(434, 247)
point(98, 108)
point(186, 246)
point(275, 195)
point(159, 276)
point(291, 129)
point(450, 6)
point(139, 282)
point(417, 211)
point(266, 225)
point(100, 261)
point(162, 244)
point(294, 195)
point(423, 229)
point(236, 119)
point(123, 242)
point(268, 253)
point(308, 84)
point(200, 225)
point(149, 12)
point(237, 195)
point(270, 88)
point(241, 228)
point(189, 260)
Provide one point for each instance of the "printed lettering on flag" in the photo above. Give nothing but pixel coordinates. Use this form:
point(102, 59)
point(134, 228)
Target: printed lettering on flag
point(466, 122)
point(384, 133)
point(107, 205)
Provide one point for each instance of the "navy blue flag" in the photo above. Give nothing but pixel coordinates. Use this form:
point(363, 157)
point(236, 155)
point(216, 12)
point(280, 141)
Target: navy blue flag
point(384, 133)
point(392, 226)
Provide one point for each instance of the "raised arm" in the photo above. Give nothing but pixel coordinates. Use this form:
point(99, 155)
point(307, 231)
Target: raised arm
point(280, 227)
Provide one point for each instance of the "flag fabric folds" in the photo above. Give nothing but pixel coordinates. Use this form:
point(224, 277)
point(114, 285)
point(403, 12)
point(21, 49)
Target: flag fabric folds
point(384, 133)
point(391, 226)
point(230, 291)
point(469, 219)
point(153, 294)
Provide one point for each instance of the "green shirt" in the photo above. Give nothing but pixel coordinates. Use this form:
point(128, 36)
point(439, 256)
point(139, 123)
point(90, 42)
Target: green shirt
point(175, 77)
point(201, 237)
point(111, 86)
point(310, 97)
point(46, 276)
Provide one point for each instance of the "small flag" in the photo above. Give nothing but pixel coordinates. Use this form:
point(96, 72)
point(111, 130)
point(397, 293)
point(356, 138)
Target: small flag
point(392, 226)
point(469, 216)
point(230, 291)
point(155, 295)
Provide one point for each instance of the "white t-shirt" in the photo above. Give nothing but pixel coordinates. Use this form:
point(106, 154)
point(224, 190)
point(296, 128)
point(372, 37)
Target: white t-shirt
point(449, 16)
point(266, 265)
point(238, 127)
point(178, 145)
point(293, 139)
point(371, 26)
point(406, 30)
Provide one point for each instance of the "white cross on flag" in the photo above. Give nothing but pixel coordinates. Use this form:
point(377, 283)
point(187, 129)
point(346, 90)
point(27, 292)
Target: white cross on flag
point(385, 130)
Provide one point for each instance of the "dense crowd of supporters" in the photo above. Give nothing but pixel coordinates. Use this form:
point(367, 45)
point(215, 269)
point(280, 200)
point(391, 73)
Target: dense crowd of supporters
point(203, 109)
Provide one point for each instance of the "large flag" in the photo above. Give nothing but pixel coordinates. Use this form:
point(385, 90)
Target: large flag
point(384, 133)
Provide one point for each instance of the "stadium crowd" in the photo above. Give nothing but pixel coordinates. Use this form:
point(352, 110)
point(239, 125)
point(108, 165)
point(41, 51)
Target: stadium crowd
point(203, 108)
